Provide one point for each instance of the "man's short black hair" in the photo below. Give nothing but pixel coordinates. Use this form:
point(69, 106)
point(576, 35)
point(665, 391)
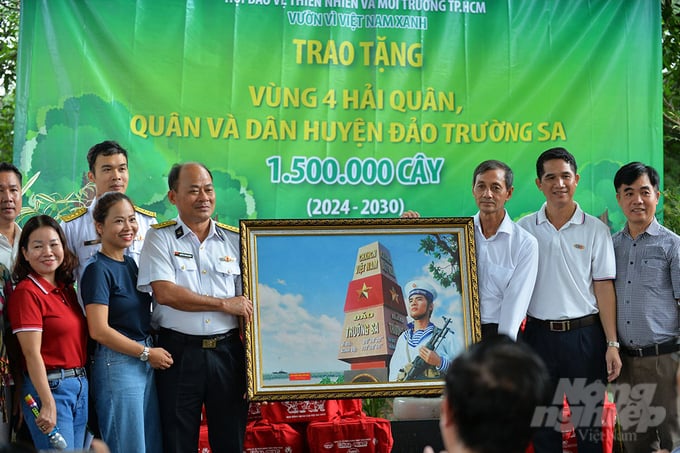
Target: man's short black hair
point(173, 176)
point(494, 165)
point(7, 167)
point(630, 172)
point(492, 390)
point(105, 148)
point(554, 153)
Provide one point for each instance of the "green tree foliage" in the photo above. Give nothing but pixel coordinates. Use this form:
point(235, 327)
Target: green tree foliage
point(445, 268)
point(670, 16)
point(9, 32)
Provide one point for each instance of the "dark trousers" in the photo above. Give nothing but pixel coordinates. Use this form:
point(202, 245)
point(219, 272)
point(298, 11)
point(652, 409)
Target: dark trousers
point(489, 330)
point(575, 359)
point(214, 377)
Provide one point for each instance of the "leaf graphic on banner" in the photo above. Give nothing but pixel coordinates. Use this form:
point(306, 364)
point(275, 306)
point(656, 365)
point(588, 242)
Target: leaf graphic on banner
point(65, 134)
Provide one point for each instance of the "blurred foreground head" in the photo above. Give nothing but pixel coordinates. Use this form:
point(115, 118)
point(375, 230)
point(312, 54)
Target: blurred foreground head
point(491, 392)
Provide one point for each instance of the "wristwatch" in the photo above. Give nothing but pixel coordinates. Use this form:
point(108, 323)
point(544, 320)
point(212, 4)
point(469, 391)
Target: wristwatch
point(613, 344)
point(144, 356)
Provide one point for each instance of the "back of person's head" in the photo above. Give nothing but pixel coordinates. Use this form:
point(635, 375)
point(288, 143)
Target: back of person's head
point(7, 167)
point(105, 148)
point(554, 153)
point(493, 164)
point(630, 172)
point(492, 390)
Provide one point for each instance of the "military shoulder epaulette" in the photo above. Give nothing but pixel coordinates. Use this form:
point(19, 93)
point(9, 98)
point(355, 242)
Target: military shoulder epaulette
point(167, 223)
point(145, 211)
point(224, 226)
point(79, 212)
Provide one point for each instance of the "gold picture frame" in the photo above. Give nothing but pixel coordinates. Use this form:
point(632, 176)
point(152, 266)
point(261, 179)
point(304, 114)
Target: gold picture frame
point(329, 303)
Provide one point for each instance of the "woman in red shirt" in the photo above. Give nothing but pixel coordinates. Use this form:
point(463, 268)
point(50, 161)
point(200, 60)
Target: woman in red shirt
point(49, 324)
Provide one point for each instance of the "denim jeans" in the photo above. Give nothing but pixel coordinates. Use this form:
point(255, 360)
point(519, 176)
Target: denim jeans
point(70, 397)
point(126, 402)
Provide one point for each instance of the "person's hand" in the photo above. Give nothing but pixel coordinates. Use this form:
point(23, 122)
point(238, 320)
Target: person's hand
point(430, 357)
point(160, 359)
point(410, 215)
point(240, 306)
point(47, 419)
point(98, 446)
point(613, 363)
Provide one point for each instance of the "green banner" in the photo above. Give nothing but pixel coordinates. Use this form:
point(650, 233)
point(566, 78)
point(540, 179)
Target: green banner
point(338, 108)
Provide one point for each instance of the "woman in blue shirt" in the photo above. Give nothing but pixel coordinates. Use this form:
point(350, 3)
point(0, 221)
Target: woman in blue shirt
point(118, 317)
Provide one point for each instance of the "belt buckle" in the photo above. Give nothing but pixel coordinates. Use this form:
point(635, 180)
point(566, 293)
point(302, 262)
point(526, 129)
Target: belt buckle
point(210, 343)
point(559, 326)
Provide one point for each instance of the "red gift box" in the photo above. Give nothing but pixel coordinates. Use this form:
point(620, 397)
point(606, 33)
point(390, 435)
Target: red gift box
point(265, 437)
point(356, 433)
point(307, 410)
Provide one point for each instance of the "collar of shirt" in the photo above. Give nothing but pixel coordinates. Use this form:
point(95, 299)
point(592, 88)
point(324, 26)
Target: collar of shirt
point(185, 230)
point(505, 226)
point(414, 337)
point(42, 284)
point(578, 218)
point(654, 229)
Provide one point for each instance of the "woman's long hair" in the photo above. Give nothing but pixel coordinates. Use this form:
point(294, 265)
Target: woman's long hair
point(22, 268)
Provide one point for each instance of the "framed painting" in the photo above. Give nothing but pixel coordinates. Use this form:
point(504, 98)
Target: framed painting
point(342, 307)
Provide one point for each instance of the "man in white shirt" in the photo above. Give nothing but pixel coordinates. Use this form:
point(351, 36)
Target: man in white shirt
point(192, 265)
point(571, 320)
point(507, 256)
point(108, 163)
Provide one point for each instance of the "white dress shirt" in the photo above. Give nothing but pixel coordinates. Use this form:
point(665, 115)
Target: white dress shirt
point(507, 264)
point(173, 253)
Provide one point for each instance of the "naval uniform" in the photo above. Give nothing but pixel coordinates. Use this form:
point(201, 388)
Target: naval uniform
point(208, 355)
point(82, 237)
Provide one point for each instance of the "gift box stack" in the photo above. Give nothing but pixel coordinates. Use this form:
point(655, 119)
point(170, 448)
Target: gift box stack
point(312, 426)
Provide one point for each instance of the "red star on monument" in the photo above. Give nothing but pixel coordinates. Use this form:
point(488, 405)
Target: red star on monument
point(363, 292)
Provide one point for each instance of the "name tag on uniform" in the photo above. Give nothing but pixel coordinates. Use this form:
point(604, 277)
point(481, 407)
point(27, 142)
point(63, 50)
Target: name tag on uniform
point(227, 259)
point(184, 254)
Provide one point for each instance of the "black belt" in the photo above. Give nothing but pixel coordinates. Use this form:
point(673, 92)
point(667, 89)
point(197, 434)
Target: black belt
point(65, 373)
point(200, 341)
point(653, 350)
point(565, 325)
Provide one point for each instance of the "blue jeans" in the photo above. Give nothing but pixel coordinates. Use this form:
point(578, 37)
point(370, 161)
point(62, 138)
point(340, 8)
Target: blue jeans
point(70, 397)
point(126, 402)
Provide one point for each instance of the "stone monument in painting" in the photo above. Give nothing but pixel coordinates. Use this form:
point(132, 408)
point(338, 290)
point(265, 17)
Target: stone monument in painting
point(375, 315)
